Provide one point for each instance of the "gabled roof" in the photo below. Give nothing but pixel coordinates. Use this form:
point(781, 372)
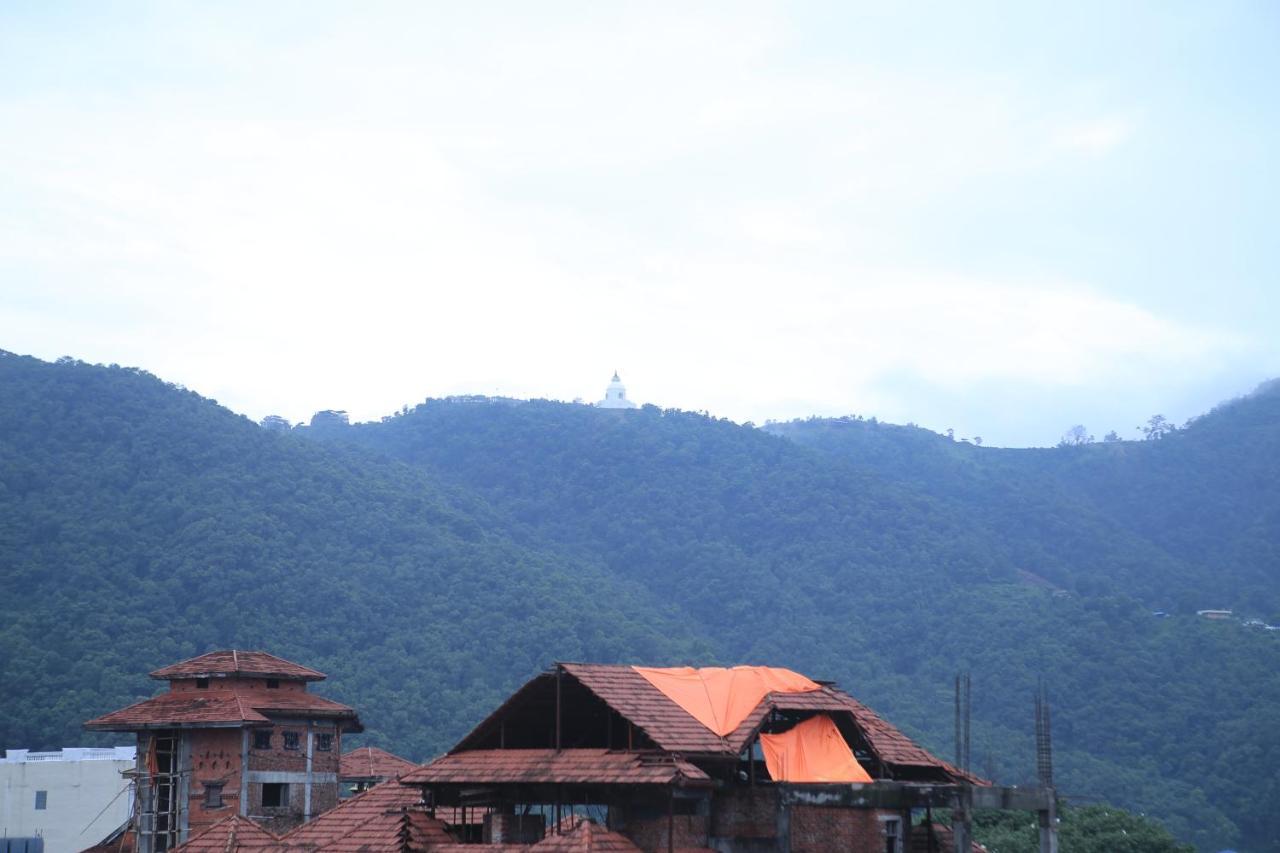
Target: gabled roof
point(547, 766)
point(631, 695)
point(201, 709)
point(674, 729)
point(232, 662)
point(579, 834)
point(369, 762)
point(230, 834)
point(386, 817)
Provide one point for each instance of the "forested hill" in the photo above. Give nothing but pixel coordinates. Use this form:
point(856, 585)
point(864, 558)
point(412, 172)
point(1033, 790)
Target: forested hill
point(141, 524)
point(890, 558)
point(1206, 496)
point(431, 561)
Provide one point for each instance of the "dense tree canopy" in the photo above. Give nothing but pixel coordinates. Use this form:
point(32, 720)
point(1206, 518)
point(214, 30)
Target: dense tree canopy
point(431, 561)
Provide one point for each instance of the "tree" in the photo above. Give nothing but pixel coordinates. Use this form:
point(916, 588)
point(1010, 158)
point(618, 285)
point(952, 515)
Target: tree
point(1076, 436)
point(1157, 427)
point(1111, 437)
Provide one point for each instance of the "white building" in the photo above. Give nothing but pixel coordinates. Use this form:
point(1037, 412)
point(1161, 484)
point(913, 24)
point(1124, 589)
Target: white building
point(615, 396)
point(72, 799)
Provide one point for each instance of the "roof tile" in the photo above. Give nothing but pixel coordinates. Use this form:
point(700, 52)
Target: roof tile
point(369, 762)
point(546, 766)
point(235, 662)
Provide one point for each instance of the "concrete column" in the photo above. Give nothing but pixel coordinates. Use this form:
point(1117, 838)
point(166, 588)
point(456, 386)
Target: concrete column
point(244, 772)
point(306, 790)
point(185, 768)
point(1048, 819)
point(962, 821)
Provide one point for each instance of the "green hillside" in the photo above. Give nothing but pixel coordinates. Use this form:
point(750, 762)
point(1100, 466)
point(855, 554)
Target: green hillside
point(893, 574)
point(142, 524)
point(431, 561)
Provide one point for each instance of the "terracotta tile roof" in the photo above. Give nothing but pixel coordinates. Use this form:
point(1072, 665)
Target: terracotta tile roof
point(228, 835)
point(631, 695)
point(369, 762)
point(387, 817)
point(893, 747)
point(674, 729)
point(220, 708)
point(234, 662)
point(579, 834)
point(570, 766)
point(178, 709)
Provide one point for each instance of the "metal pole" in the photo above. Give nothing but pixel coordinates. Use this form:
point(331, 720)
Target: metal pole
point(559, 673)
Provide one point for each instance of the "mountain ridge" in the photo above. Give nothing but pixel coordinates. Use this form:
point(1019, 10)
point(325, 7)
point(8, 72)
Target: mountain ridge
point(431, 561)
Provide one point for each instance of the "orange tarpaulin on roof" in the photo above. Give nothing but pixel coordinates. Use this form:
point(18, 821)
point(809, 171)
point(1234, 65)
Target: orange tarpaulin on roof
point(721, 698)
point(813, 751)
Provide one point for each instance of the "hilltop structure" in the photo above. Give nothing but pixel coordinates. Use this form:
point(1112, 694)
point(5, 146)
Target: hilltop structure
point(615, 396)
point(237, 733)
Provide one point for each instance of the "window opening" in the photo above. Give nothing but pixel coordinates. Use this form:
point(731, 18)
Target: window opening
point(275, 795)
point(42, 800)
point(324, 742)
point(290, 740)
point(262, 739)
point(213, 795)
point(892, 836)
point(273, 683)
point(202, 684)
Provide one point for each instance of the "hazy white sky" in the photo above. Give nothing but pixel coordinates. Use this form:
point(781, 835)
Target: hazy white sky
point(1002, 218)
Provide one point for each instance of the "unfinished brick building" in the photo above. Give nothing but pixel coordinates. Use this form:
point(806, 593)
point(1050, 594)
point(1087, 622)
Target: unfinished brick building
point(746, 759)
point(237, 733)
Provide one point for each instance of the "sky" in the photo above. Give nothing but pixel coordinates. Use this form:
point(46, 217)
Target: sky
point(1003, 219)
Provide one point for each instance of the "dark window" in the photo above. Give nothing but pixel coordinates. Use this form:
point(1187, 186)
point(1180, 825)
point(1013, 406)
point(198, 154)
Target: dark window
point(683, 806)
point(275, 795)
point(213, 795)
point(324, 743)
point(42, 800)
point(262, 739)
point(290, 740)
point(202, 683)
point(892, 836)
point(273, 683)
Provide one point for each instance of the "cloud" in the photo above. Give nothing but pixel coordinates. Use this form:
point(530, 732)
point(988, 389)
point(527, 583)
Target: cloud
point(1095, 137)
point(521, 204)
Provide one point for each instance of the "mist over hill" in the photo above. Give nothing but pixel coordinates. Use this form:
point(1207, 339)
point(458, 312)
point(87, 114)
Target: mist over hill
point(431, 561)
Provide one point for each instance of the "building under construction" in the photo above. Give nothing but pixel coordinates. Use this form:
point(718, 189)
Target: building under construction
point(239, 756)
point(740, 759)
point(236, 733)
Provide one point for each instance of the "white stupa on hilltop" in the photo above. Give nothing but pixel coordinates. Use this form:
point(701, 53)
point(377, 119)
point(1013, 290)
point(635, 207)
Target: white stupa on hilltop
point(615, 396)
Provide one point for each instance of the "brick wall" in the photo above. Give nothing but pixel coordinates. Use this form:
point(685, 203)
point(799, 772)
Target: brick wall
point(215, 759)
point(745, 813)
point(815, 829)
point(215, 756)
point(647, 824)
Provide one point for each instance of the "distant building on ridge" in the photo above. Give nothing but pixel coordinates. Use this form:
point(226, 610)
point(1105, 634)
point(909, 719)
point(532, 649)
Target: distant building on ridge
point(615, 396)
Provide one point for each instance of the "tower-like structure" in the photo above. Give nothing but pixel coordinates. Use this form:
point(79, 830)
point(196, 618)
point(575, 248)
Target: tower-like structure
point(615, 396)
point(236, 733)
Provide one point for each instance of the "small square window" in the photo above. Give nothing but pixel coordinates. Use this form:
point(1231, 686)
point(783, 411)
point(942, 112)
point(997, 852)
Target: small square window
point(273, 683)
point(324, 743)
point(213, 795)
point(262, 739)
point(202, 684)
point(275, 795)
point(290, 740)
point(42, 800)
